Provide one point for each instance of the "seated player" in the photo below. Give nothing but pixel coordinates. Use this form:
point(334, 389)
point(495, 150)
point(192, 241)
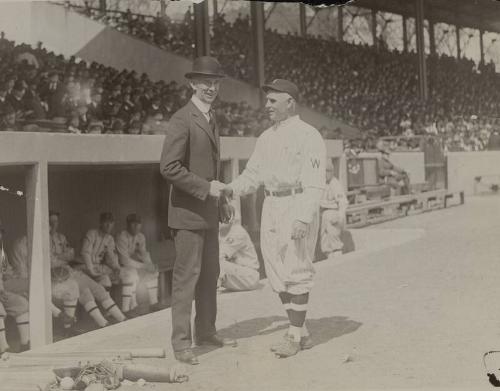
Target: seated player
point(239, 264)
point(62, 255)
point(395, 177)
point(11, 304)
point(136, 264)
point(98, 255)
point(64, 288)
point(334, 203)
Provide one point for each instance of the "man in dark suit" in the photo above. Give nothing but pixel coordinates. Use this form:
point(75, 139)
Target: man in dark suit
point(190, 162)
point(53, 94)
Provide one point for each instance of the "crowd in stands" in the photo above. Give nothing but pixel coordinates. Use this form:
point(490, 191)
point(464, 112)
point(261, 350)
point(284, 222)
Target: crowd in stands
point(40, 91)
point(371, 88)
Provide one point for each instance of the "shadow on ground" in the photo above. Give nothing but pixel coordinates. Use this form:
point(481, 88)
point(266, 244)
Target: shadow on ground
point(322, 330)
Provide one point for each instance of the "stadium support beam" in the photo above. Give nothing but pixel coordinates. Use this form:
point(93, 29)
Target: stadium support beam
point(201, 29)
point(481, 45)
point(405, 35)
point(257, 20)
point(37, 208)
point(163, 8)
point(374, 27)
point(216, 9)
point(457, 33)
point(432, 38)
point(422, 71)
point(302, 19)
point(340, 23)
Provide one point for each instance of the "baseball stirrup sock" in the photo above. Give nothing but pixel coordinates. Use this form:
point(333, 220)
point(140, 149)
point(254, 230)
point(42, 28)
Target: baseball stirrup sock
point(70, 307)
point(127, 292)
point(95, 313)
point(55, 311)
point(23, 325)
point(286, 298)
point(3, 339)
point(298, 310)
point(152, 291)
point(112, 309)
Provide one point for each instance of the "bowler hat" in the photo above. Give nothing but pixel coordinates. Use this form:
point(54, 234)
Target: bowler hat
point(206, 66)
point(282, 85)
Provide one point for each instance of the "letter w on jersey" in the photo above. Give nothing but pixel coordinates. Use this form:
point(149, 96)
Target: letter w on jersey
point(315, 163)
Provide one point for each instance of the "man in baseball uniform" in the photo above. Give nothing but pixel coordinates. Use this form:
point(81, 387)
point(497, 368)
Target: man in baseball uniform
point(61, 255)
point(334, 204)
point(239, 264)
point(289, 160)
point(11, 304)
point(64, 288)
point(137, 265)
point(100, 260)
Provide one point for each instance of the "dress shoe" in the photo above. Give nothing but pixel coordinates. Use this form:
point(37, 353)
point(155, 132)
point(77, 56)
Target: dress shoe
point(186, 356)
point(217, 340)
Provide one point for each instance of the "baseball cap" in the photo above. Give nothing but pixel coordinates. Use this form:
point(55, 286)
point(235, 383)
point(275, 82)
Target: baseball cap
point(133, 218)
point(282, 85)
point(106, 216)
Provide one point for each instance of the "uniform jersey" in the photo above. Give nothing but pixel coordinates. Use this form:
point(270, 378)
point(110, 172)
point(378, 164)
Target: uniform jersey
point(99, 248)
point(60, 250)
point(334, 196)
point(131, 247)
point(290, 154)
point(19, 258)
point(237, 247)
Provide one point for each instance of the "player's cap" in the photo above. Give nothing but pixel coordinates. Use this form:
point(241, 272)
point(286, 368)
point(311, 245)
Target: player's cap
point(105, 217)
point(133, 218)
point(282, 85)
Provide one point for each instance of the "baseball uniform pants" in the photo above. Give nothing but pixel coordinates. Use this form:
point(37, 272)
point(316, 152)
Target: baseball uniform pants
point(238, 278)
point(288, 262)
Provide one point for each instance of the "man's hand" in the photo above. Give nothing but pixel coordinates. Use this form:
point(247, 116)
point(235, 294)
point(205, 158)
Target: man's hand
point(299, 230)
point(216, 188)
point(227, 191)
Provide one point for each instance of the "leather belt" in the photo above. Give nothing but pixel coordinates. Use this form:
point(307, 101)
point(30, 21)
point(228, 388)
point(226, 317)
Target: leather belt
point(284, 192)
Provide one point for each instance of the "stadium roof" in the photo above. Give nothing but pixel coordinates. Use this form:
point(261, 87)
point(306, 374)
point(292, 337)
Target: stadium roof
point(478, 14)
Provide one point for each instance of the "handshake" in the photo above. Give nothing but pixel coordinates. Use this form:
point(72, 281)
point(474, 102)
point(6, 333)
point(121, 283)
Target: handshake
point(218, 189)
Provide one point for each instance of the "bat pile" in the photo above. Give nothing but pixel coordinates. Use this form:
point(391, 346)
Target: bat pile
point(86, 371)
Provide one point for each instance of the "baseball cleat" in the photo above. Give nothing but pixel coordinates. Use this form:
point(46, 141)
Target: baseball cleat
point(305, 343)
point(287, 348)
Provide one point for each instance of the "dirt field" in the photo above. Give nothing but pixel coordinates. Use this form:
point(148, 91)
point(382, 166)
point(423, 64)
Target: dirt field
point(417, 309)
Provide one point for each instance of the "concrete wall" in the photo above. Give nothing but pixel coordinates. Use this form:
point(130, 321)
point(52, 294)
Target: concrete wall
point(463, 167)
point(411, 162)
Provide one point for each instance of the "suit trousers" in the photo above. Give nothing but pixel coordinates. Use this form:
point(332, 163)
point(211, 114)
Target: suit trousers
point(195, 275)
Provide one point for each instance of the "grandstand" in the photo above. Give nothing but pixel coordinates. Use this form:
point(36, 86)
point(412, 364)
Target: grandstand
point(85, 101)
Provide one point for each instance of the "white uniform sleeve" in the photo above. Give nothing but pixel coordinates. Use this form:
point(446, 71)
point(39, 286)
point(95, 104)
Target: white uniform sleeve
point(312, 177)
point(251, 177)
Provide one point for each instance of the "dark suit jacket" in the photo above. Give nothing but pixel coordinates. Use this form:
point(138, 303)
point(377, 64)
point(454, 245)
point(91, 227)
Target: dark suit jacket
point(189, 161)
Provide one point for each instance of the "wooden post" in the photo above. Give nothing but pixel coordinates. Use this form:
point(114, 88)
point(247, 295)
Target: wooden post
point(257, 38)
point(481, 44)
point(37, 208)
point(201, 29)
point(302, 19)
point(457, 33)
